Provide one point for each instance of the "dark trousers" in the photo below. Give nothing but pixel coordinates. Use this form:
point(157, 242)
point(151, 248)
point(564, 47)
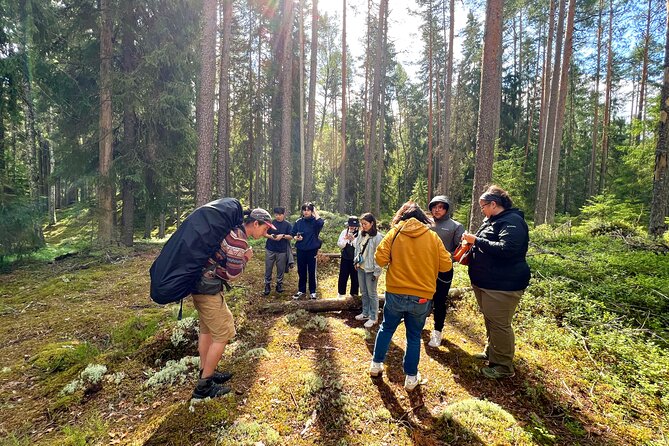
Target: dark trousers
point(306, 263)
point(440, 299)
point(346, 270)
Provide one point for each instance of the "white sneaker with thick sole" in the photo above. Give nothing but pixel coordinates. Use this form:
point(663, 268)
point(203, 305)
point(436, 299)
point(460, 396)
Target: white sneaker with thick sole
point(376, 369)
point(341, 296)
point(361, 317)
point(298, 295)
point(313, 296)
point(411, 381)
point(370, 323)
point(435, 339)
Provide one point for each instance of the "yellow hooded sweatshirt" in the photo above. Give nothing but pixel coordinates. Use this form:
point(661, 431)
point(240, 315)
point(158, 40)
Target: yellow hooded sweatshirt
point(418, 255)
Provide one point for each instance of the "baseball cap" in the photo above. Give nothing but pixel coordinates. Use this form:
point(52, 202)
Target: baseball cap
point(263, 216)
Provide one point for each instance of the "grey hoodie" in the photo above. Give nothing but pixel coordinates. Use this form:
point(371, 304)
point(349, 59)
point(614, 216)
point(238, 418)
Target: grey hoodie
point(449, 231)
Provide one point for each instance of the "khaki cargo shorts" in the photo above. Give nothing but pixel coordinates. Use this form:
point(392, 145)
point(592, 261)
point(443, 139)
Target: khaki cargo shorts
point(215, 316)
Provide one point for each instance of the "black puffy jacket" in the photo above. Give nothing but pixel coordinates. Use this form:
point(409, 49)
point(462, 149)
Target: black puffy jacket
point(498, 256)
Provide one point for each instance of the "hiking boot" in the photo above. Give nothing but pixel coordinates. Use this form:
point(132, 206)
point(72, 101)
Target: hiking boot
point(313, 296)
point(411, 381)
point(483, 356)
point(495, 372)
point(298, 295)
point(206, 388)
point(435, 339)
point(279, 287)
point(370, 323)
point(268, 288)
point(376, 369)
point(361, 317)
point(218, 377)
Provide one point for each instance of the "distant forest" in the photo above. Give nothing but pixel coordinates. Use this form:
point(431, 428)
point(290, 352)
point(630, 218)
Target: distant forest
point(141, 110)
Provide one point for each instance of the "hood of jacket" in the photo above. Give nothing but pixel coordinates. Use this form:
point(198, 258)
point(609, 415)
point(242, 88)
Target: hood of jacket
point(442, 199)
point(412, 227)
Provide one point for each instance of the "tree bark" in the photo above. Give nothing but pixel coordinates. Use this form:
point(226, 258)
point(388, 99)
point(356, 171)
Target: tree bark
point(556, 145)
point(336, 304)
point(446, 138)
point(301, 100)
point(311, 109)
point(607, 104)
point(205, 105)
point(430, 189)
point(595, 119)
point(644, 72)
point(286, 105)
point(342, 169)
point(105, 186)
point(382, 127)
point(379, 69)
point(541, 203)
point(129, 143)
point(660, 203)
point(223, 160)
point(489, 106)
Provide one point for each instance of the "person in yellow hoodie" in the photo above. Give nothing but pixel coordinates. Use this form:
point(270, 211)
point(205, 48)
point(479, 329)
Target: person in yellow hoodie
point(414, 255)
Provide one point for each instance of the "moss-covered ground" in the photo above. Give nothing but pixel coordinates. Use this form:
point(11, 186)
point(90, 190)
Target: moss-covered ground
point(301, 378)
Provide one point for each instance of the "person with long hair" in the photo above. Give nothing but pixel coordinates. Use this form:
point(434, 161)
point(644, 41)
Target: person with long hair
point(499, 274)
point(415, 256)
point(367, 269)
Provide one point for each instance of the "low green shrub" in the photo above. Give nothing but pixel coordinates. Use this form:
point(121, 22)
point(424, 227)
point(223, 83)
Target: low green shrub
point(61, 356)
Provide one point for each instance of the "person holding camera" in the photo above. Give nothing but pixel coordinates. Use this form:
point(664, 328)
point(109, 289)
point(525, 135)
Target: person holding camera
point(346, 266)
point(306, 231)
point(367, 269)
point(276, 250)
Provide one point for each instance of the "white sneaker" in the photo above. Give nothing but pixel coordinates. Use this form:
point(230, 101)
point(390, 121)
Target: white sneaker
point(370, 323)
point(313, 296)
point(341, 296)
point(376, 369)
point(435, 339)
point(361, 317)
point(411, 381)
point(298, 295)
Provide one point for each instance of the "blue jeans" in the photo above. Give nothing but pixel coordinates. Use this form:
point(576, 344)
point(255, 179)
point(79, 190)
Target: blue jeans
point(400, 306)
point(370, 300)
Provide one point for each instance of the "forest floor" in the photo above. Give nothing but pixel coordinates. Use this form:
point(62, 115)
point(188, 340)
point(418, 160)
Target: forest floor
point(299, 378)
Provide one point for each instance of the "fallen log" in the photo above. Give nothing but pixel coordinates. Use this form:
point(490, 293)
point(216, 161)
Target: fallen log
point(336, 304)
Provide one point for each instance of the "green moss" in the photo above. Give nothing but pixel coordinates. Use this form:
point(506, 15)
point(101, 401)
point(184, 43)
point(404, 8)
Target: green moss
point(92, 431)
point(58, 357)
point(130, 335)
point(247, 434)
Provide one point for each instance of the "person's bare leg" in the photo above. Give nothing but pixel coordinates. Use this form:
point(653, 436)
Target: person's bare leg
point(203, 343)
point(213, 356)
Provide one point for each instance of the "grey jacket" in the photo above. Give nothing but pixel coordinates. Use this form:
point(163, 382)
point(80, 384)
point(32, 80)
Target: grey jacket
point(449, 231)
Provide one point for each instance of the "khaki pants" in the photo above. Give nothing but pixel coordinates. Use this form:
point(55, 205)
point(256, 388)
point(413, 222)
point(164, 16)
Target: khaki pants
point(498, 308)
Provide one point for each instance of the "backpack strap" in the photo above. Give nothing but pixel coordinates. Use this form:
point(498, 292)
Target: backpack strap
point(390, 254)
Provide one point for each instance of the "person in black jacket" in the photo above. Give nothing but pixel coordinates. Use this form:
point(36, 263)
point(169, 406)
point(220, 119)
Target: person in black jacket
point(499, 275)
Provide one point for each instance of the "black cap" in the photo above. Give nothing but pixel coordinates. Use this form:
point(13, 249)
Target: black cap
point(279, 210)
point(353, 221)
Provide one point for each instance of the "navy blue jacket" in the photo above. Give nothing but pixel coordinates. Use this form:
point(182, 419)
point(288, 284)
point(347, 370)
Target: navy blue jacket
point(498, 257)
point(282, 227)
point(310, 229)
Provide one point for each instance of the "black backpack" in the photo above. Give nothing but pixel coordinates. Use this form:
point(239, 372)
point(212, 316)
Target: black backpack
point(179, 264)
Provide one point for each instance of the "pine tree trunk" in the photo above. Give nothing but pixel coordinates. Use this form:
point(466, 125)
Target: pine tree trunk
point(489, 106)
point(556, 145)
point(204, 110)
point(53, 197)
point(607, 104)
point(659, 208)
point(311, 109)
point(129, 125)
point(595, 118)
point(376, 86)
point(382, 126)
point(342, 169)
point(446, 138)
point(253, 110)
point(286, 105)
point(545, 95)
point(301, 99)
point(106, 186)
point(644, 72)
point(541, 203)
point(223, 160)
point(430, 189)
